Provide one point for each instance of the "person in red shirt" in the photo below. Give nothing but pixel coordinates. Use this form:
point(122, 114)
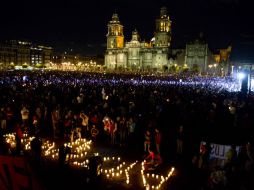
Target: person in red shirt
point(150, 157)
point(157, 140)
point(94, 120)
point(112, 131)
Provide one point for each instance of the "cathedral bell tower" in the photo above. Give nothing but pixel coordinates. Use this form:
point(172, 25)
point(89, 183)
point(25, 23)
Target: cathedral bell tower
point(163, 29)
point(115, 37)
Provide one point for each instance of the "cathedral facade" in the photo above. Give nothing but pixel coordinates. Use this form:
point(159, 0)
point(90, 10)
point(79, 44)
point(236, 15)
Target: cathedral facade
point(136, 55)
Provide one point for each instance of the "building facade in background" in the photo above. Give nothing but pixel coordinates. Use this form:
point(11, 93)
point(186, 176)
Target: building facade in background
point(75, 61)
point(196, 56)
point(20, 53)
point(199, 58)
point(222, 58)
point(136, 54)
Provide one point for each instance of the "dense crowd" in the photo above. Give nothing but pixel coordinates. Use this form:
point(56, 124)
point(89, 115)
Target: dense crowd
point(167, 116)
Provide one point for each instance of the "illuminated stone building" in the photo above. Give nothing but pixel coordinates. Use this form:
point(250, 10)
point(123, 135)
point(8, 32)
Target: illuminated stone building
point(196, 56)
point(15, 52)
point(75, 58)
point(136, 54)
point(221, 58)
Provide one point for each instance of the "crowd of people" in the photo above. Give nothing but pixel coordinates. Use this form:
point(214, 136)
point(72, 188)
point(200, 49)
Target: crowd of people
point(164, 117)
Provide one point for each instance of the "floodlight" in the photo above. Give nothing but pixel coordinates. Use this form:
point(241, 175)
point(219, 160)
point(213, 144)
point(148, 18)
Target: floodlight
point(241, 75)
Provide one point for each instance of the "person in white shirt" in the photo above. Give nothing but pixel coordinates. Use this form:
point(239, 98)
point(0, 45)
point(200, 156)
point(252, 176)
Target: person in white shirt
point(25, 116)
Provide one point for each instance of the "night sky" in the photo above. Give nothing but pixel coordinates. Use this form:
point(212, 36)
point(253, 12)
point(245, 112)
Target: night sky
point(81, 25)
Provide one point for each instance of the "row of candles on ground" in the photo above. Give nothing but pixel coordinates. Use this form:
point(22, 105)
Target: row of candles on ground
point(81, 164)
point(50, 149)
point(127, 172)
point(118, 170)
point(154, 176)
point(25, 141)
point(113, 172)
point(79, 151)
point(10, 139)
point(79, 146)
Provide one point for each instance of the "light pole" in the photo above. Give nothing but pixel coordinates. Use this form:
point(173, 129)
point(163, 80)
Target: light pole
point(215, 69)
point(232, 70)
point(250, 79)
